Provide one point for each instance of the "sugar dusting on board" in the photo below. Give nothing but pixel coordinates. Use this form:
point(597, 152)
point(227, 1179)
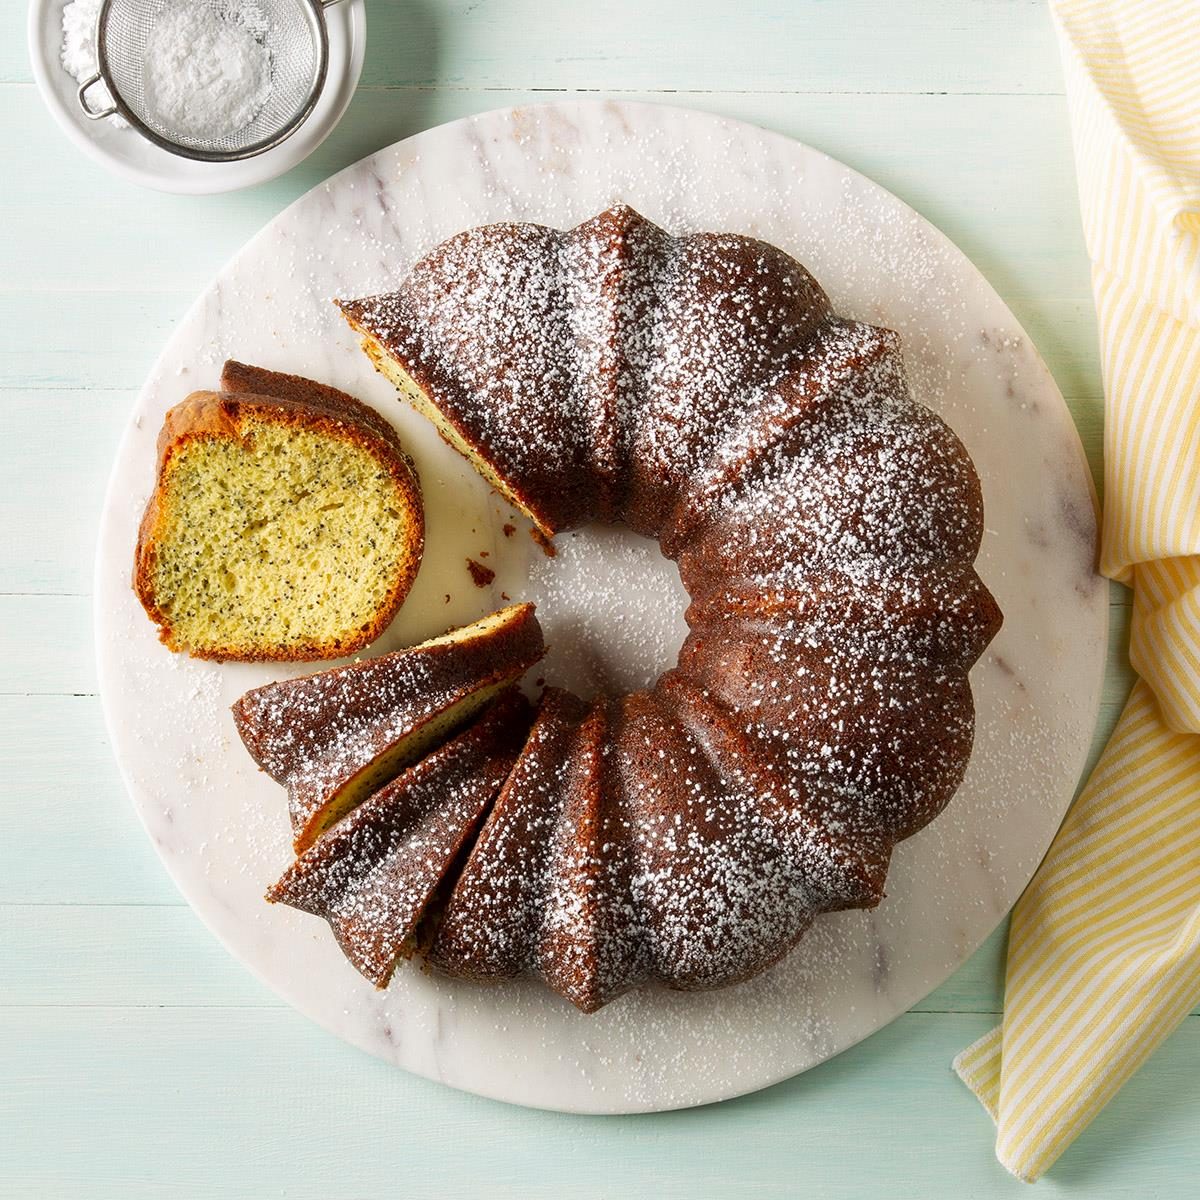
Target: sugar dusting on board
point(612, 608)
point(690, 832)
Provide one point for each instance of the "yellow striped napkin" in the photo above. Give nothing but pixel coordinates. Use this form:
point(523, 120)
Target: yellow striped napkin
point(1104, 950)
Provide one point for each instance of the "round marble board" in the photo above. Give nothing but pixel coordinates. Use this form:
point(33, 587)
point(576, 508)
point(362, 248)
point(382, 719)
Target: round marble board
point(612, 607)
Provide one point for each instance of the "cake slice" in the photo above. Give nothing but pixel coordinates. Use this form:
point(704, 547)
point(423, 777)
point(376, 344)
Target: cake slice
point(335, 737)
point(591, 942)
point(373, 875)
point(590, 372)
point(285, 523)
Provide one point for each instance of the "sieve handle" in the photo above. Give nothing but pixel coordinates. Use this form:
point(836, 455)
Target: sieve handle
point(89, 112)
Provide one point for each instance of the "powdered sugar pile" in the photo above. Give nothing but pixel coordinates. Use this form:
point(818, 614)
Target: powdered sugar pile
point(79, 38)
point(208, 71)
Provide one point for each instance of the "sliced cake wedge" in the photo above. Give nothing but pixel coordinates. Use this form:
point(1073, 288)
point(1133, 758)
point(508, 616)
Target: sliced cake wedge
point(492, 920)
point(285, 522)
point(335, 737)
point(373, 875)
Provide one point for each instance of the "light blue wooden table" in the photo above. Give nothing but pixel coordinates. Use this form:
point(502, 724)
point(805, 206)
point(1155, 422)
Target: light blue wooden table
point(137, 1059)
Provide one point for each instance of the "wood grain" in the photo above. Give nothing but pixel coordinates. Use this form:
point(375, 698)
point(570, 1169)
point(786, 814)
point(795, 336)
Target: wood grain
point(965, 162)
point(773, 47)
point(255, 1102)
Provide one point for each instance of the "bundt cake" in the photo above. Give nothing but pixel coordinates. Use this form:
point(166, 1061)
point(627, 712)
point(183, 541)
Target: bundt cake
point(333, 738)
point(373, 874)
point(286, 522)
point(701, 390)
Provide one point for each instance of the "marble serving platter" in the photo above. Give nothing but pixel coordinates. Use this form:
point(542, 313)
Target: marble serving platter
point(612, 607)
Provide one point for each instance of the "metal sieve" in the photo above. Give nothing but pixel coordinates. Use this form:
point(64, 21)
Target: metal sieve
point(297, 41)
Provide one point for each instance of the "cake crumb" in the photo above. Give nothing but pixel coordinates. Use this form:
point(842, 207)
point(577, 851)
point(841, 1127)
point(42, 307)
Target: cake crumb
point(509, 530)
point(479, 573)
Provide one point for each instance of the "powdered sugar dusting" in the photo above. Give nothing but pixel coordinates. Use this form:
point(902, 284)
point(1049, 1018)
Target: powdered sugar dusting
point(373, 875)
point(316, 733)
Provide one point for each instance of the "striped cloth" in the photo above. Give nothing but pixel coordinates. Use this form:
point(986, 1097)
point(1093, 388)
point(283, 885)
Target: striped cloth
point(1104, 950)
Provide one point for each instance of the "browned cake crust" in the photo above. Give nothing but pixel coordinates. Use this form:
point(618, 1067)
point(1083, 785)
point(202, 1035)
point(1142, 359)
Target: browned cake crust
point(288, 401)
point(242, 378)
point(544, 349)
point(491, 925)
point(319, 734)
point(373, 874)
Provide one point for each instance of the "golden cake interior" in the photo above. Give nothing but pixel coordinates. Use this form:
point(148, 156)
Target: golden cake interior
point(403, 754)
point(285, 536)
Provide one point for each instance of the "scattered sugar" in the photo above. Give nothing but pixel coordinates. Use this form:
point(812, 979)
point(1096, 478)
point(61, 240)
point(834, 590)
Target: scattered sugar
point(373, 253)
point(599, 600)
point(372, 876)
point(316, 732)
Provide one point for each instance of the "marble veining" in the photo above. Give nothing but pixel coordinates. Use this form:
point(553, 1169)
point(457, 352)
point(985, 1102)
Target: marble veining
point(220, 826)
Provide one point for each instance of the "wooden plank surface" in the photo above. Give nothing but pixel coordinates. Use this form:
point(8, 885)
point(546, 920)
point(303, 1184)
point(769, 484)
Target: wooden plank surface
point(252, 1102)
point(137, 1059)
point(966, 162)
point(816, 46)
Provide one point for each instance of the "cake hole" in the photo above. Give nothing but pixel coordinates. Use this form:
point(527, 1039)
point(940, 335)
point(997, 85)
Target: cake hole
point(612, 610)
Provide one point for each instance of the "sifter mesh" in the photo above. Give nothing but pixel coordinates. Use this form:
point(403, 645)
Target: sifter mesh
point(294, 34)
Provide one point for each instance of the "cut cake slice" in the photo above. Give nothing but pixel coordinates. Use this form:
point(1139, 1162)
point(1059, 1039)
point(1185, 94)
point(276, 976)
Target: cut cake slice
point(285, 522)
point(335, 737)
point(374, 874)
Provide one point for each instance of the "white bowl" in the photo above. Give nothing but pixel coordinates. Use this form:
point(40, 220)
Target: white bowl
point(126, 153)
